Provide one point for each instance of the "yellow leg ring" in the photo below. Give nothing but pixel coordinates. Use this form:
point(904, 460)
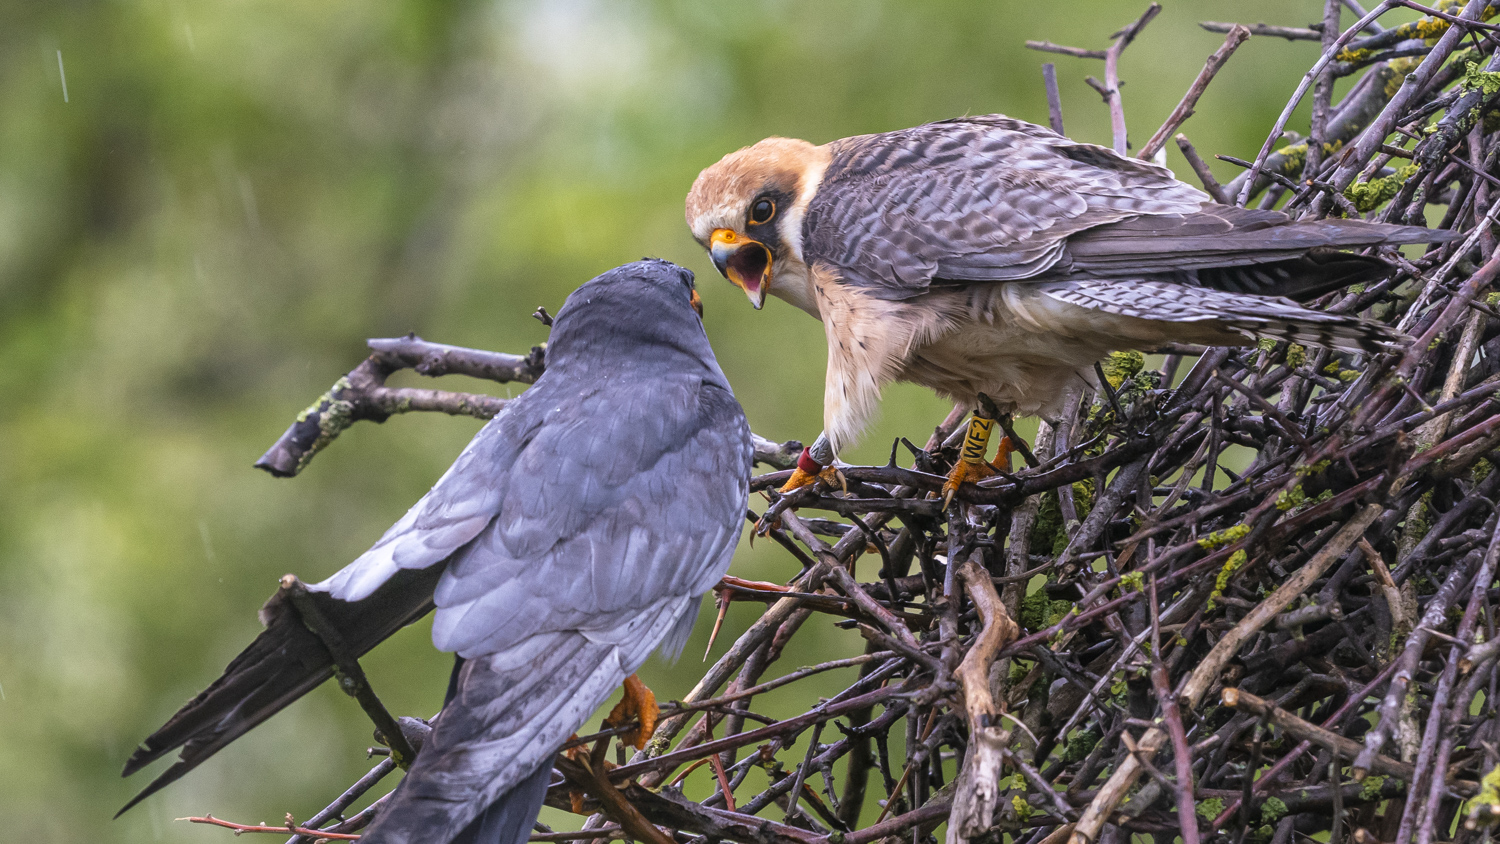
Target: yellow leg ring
point(977, 439)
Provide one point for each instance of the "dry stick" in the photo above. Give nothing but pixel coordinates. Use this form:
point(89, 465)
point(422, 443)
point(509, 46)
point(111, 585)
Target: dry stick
point(1075, 52)
point(682, 710)
point(1457, 306)
point(1290, 33)
point(673, 810)
point(351, 678)
point(354, 792)
point(1200, 167)
point(1406, 666)
point(1110, 88)
point(1388, 588)
point(1307, 82)
point(602, 834)
point(753, 637)
point(1322, 95)
point(289, 827)
point(1054, 97)
point(1305, 731)
point(846, 583)
point(978, 790)
point(1371, 27)
point(1442, 15)
point(362, 395)
point(1112, 77)
point(1184, 109)
point(1377, 131)
point(1209, 670)
point(1442, 722)
point(1268, 780)
point(1182, 756)
point(588, 774)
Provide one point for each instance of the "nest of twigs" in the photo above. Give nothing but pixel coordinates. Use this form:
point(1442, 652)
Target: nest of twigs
point(1255, 594)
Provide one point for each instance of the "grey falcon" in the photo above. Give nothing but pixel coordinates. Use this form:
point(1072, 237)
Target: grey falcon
point(572, 537)
point(987, 255)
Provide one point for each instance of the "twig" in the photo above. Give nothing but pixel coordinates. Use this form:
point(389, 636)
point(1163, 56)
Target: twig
point(1112, 76)
point(1049, 47)
point(1290, 33)
point(289, 827)
point(1054, 98)
point(1185, 106)
point(1200, 167)
point(978, 792)
point(351, 678)
point(1279, 127)
point(1209, 669)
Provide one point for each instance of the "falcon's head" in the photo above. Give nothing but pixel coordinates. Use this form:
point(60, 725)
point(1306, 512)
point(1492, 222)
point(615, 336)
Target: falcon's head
point(747, 209)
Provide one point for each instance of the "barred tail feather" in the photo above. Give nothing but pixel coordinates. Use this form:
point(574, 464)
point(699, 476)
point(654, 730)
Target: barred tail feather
point(1254, 317)
point(1332, 331)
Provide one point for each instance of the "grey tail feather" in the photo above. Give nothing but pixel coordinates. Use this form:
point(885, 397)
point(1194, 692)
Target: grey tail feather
point(509, 819)
point(284, 662)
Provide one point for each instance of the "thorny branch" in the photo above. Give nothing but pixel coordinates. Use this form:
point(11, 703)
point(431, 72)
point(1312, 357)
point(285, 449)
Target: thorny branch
point(1257, 600)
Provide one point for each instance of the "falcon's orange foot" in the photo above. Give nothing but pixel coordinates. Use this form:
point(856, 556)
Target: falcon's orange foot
point(639, 704)
point(808, 471)
point(801, 478)
point(965, 472)
point(971, 466)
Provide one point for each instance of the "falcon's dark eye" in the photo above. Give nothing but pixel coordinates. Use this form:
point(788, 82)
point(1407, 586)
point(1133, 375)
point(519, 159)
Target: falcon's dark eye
point(762, 211)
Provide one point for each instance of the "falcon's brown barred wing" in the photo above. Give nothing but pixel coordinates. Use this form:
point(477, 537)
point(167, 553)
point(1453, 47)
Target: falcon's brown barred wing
point(975, 199)
point(994, 199)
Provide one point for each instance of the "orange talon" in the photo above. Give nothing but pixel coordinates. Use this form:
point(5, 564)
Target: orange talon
point(722, 599)
point(639, 703)
point(798, 480)
point(971, 466)
point(965, 473)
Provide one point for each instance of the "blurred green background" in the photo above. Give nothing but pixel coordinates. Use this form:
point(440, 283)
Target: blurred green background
point(205, 208)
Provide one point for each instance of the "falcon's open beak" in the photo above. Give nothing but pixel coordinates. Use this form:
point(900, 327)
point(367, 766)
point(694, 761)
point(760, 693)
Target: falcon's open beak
point(743, 261)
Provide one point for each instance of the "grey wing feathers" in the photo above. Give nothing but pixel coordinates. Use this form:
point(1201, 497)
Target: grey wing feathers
point(386, 588)
point(1272, 317)
point(513, 712)
point(554, 612)
point(980, 198)
point(993, 199)
point(663, 513)
point(463, 501)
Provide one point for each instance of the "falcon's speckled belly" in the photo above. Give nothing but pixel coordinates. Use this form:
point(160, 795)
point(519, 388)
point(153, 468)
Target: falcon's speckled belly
point(1026, 349)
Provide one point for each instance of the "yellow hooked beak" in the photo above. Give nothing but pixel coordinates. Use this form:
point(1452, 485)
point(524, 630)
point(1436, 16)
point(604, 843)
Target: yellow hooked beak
point(743, 261)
